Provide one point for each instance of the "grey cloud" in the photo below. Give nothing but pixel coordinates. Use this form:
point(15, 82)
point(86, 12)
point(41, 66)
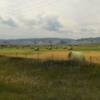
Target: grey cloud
point(87, 30)
point(9, 22)
point(53, 25)
point(47, 23)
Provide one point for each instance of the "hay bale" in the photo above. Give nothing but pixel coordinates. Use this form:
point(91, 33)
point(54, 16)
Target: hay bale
point(36, 49)
point(76, 56)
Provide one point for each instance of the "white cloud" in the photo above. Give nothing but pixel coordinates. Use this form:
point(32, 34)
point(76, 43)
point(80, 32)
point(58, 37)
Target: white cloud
point(49, 18)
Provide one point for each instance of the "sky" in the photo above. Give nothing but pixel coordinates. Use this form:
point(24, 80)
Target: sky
point(49, 18)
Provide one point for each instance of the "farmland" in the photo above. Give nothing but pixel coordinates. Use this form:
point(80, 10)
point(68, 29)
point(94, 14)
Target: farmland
point(28, 79)
point(43, 73)
point(55, 52)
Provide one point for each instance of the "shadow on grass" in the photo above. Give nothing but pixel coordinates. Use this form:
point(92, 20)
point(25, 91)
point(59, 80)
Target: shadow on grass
point(31, 63)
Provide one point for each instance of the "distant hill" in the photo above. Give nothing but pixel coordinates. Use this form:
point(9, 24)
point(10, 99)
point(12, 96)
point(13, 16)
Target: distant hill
point(41, 41)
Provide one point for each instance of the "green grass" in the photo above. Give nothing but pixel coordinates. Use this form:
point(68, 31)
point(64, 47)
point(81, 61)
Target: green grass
point(27, 79)
point(87, 48)
point(42, 48)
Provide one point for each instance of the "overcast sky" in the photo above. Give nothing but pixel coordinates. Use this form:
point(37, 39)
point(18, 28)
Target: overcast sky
point(49, 18)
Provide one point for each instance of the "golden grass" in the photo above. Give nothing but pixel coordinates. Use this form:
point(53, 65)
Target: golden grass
point(91, 56)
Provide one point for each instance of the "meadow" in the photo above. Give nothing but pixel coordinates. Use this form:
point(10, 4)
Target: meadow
point(44, 73)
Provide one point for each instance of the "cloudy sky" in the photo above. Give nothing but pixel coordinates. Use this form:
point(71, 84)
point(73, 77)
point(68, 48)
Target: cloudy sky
point(49, 18)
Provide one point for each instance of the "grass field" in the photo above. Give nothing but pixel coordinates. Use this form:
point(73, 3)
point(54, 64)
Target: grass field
point(27, 73)
point(28, 79)
point(56, 52)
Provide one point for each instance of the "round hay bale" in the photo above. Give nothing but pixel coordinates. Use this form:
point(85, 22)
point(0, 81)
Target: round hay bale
point(36, 49)
point(76, 56)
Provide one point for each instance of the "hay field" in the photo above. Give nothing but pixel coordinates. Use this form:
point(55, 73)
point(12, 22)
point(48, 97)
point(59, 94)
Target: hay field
point(91, 52)
point(91, 56)
point(23, 76)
